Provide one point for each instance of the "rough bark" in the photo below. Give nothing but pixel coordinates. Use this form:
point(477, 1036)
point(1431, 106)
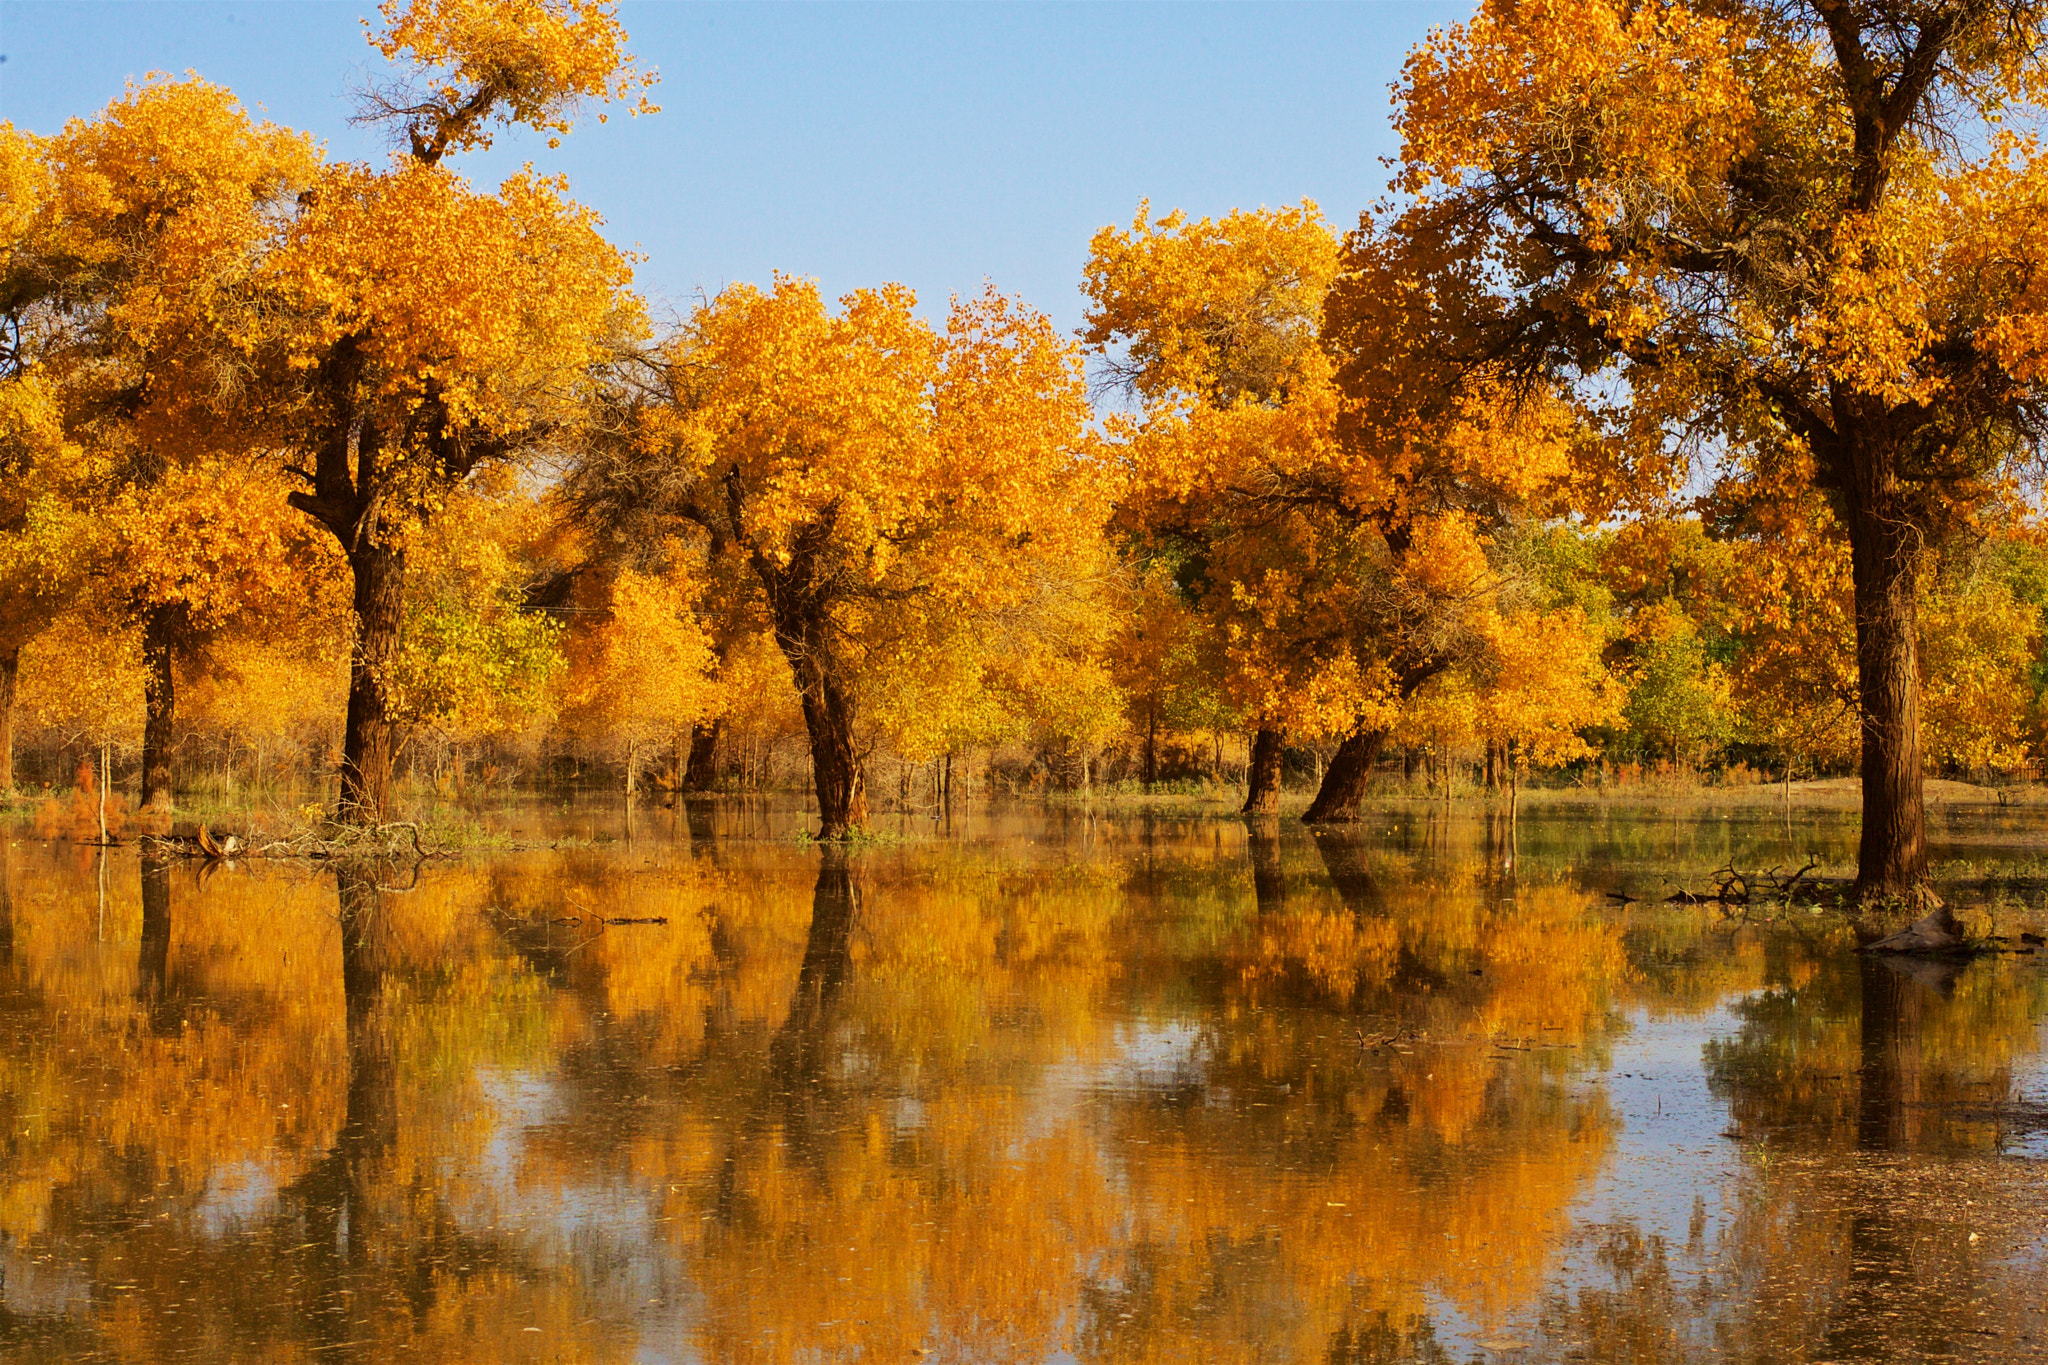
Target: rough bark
point(700, 774)
point(1262, 777)
point(835, 764)
point(369, 740)
point(1344, 780)
point(160, 706)
point(828, 720)
point(10, 675)
point(1892, 857)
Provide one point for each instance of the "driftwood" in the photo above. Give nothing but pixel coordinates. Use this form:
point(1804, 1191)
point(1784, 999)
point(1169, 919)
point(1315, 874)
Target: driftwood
point(1735, 888)
point(398, 839)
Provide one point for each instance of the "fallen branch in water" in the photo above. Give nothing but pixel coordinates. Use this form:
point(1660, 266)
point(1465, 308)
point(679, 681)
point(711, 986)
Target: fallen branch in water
point(324, 842)
point(1736, 888)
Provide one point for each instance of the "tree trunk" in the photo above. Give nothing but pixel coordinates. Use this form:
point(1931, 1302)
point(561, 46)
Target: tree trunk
point(1152, 746)
point(1262, 780)
point(632, 775)
point(10, 674)
point(701, 774)
point(1892, 859)
point(366, 746)
point(828, 718)
point(1344, 780)
point(160, 697)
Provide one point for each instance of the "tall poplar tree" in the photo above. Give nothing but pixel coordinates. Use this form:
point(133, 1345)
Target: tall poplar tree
point(436, 330)
point(1794, 245)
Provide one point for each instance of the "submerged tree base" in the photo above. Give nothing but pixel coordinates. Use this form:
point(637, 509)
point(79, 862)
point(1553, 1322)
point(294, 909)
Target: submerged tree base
point(1934, 933)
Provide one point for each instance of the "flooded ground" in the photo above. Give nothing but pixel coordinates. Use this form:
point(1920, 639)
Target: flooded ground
point(1031, 1086)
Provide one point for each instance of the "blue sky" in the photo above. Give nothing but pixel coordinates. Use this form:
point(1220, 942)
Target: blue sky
point(936, 144)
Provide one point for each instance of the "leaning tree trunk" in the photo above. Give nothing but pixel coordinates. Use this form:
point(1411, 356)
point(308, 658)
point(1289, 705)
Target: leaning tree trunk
point(1262, 780)
point(1344, 780)
point(160, 711)
point(10, 673)
point(367, 745)
point(1892, 858)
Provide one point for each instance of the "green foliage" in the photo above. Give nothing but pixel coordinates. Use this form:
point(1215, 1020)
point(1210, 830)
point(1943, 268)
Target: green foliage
point(469, 668)
point(1678, 701)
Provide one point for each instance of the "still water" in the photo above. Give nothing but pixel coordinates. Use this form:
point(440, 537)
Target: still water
point(1032, 1086)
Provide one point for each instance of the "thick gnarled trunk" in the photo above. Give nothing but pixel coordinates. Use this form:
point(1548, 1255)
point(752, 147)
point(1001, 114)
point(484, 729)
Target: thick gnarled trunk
point(828, 720)
point(160, 709)
point(835, 764)
point(1884, 546)
point(368, 744)
point(1343, 788)
point(1262, 775)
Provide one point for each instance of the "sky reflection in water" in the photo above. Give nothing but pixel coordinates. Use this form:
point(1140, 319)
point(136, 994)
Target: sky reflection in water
point(1051, 1087)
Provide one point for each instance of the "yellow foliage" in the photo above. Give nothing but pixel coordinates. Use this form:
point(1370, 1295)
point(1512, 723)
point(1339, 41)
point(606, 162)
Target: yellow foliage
point(492, 306)
point(526, 61)
point(82, 680)
point(1978, 646)
point(641, 674)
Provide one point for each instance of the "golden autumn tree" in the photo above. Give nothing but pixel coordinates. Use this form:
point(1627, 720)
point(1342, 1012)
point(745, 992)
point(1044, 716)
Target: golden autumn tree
point(160, 209)
point(49, 482)
point(880, 478)
point(1793, 244)
point(1542, 685)
point(1212, 325)
point(436, 330)
point(1445, 467)
point(1334, 521)
point(639, 671)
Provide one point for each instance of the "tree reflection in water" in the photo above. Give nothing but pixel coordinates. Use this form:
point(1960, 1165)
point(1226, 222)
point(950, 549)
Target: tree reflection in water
point(1877, 1220)
point(1164, 1090)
